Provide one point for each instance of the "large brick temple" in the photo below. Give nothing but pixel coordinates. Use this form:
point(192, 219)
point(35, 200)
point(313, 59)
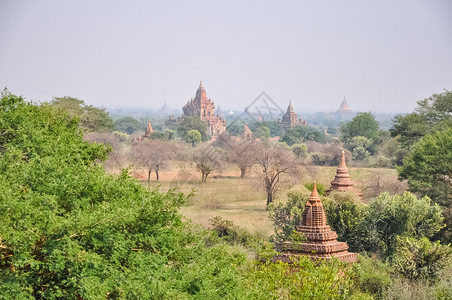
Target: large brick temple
point(321, 242)
point(290, 119)
point(204, 108)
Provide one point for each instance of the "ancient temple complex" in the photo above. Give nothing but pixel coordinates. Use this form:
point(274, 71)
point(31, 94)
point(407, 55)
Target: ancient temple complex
point(321, 242)
point(204, 108)
point(342, 181)
point(290, 119)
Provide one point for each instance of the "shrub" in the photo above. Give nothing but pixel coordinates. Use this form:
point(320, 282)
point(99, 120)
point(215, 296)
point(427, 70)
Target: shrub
point(372, 276)
point(420, 259)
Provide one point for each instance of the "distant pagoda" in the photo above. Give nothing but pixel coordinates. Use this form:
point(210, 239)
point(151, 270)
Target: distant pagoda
point(321, 242)
point(344, 111)
point(247, 134)
point(342, 181)
point(290, 119)
point(149, 130)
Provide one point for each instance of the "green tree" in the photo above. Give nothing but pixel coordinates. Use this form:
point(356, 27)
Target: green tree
point(193, 137)
point(360, 147)
point(401, 215)
point(128, 125)
point(300, 150)
point(421, 259)
point(363, 124)
point(428, 167)
point(346, 215)
point(71, 230)
point(90, 118)
point(431, 114)
point(263, 132)
point(303, 134)
point(275, 127)
point(192, 123)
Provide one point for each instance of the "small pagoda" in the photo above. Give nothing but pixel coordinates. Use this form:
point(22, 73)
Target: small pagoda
point(247, 134)
point(149, 130)
point(342, 181)
point(321, 242)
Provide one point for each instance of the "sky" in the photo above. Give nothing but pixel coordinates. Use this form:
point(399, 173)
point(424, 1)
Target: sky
point(383, 56)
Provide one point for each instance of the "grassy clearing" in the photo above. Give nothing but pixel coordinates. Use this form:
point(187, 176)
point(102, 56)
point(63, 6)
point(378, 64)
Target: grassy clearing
point(243, 201)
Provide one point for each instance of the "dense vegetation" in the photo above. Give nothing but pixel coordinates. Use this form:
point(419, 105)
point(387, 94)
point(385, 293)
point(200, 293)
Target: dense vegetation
point(70, 230)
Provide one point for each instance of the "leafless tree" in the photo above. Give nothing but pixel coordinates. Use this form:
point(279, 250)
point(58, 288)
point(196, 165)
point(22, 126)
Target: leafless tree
point(153, 155)
point(274, 160)
point(116, 156)
point(207, 158)
point(238, 152)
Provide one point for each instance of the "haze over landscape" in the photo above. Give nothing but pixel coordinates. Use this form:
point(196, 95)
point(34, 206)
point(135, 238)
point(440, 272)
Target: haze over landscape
point(382, 55)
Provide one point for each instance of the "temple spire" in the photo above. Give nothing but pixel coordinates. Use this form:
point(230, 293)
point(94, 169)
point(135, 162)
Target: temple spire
point(149, 130)
point(342, 181)
point(200, 84)
point(315, 193)
point(290, 107)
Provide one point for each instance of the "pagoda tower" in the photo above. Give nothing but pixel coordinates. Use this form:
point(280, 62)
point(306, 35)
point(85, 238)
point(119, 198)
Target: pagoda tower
point(342, 181)
point(149, 130)
point(290, 119)
point(247, 133)
point(321, 242)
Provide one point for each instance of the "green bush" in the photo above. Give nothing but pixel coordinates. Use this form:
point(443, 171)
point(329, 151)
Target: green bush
point(420, 259)
point(346, 214)
point(372, 276)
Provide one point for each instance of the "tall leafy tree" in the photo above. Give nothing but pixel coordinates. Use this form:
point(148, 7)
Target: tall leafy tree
point(401, 215)
point(428, 167)
point(363, 124)
point(431, 114)
point(193, 137)
point(128, 125)
point(90, 118)
point(303, 134)
point(192, 123)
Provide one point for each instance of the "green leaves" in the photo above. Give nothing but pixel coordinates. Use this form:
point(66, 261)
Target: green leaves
point(402, 215)
point(428, 167)
point(421, 259)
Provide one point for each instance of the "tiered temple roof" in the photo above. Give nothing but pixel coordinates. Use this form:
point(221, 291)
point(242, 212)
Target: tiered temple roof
point(290, 118)
point(204, 108)
point(321, 242)
point(342, 181)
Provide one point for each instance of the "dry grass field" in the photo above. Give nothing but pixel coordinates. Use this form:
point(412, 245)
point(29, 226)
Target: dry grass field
point(243, 200)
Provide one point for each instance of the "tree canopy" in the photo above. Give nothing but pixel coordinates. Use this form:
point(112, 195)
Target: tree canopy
point(428, 167)
point(90, 118)
point(192, 123)
point(70, 230)
point(363, 124)
point(300, 134)
point(431, 114)
point(128, 125)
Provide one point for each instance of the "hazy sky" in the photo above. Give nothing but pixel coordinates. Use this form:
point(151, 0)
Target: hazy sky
point(382, 55)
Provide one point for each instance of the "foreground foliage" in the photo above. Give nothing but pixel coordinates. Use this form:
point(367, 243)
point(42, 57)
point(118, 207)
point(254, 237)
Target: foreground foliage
point(69, 229)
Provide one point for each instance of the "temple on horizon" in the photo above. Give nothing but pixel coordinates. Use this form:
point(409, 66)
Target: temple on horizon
point(204, 108)
point(290, 119)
